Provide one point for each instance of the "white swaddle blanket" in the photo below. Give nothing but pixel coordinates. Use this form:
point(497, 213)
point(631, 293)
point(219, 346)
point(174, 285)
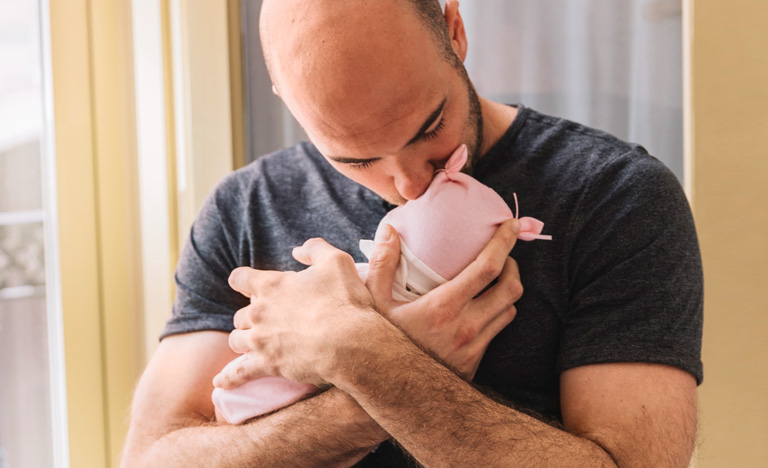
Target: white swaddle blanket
point(413, 277)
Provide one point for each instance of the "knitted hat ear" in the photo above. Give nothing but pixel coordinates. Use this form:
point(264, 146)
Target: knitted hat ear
point(456, 161)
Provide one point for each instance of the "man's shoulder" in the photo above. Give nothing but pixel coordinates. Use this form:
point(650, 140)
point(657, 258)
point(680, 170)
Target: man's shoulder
point(567, 142)
point(294, 186)
point(604, 166)
point(285, 173)
point(299, 160)
point(544, 151)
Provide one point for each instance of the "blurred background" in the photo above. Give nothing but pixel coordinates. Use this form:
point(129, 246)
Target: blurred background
point(117, 118)
point(613, 65)
point(25, 390)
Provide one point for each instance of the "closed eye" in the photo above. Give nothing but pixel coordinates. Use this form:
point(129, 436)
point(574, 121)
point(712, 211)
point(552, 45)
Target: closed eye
point(434, 133)
point(431, 135)
point(363, 164)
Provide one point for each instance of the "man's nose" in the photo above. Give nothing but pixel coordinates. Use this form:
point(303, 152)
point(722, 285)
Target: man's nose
point(411, 181)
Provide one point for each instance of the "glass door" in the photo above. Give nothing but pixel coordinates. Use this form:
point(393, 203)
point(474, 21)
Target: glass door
point(28, 393)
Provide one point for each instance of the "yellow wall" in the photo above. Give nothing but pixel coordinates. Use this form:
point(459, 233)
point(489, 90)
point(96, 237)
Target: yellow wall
point(729, 147)
point(96, 195)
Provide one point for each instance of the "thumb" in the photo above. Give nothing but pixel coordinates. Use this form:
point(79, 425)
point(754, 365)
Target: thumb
point(314, 251)
point(383, 265)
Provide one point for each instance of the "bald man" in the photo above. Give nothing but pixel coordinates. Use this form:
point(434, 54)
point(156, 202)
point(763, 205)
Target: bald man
point(595, 365)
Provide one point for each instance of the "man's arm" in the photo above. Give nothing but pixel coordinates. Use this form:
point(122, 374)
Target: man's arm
point(171, 422)
point(172, 418)
point(623, 415)
point(641, 414)
point(617, 414)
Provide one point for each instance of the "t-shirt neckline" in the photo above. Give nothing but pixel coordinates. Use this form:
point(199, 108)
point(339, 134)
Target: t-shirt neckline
point(503, 147)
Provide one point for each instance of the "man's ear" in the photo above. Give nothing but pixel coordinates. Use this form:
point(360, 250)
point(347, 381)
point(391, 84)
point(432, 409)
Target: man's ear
point(456, 28)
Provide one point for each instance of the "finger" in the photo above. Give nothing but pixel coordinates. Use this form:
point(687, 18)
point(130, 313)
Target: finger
point(317, 250)
point(479, 344)
point(245, 318)
point(239, 341)
point(487, 266)
point(382, 265)
point(502, 295)
point(498, 323)
point(239, 371)
point(247, 281)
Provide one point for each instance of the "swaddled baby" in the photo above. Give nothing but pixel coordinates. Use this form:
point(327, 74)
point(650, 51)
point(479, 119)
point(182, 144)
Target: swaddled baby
point(441, 232)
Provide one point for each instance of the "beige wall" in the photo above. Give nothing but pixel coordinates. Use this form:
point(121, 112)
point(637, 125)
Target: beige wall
point(729, 138)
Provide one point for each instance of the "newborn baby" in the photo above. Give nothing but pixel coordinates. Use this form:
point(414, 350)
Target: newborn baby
point(441, 232)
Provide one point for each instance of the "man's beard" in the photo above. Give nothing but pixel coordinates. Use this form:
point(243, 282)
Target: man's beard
point(474, 121)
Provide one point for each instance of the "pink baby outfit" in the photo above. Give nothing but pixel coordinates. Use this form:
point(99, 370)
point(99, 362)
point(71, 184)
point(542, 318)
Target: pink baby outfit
point(441, 232)
point(445, 229)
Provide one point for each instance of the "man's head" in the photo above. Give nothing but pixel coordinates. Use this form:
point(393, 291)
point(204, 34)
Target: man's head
point(378, 85)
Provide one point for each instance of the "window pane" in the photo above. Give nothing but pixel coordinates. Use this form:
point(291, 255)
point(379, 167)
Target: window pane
point(26, 435)
point(21, 258)
point(25, 427)
point(20, 188)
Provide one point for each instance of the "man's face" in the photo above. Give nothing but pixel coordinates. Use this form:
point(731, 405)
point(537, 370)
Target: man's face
point(386, 109)
point(397, 159)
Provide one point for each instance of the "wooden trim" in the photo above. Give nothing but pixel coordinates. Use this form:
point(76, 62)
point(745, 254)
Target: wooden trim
point(688, 111)
point(76, 187)
point(207, 102)
point(116, 177)
point(170, 137)
point(95, 176)
point(156, 162)
point(237, 97)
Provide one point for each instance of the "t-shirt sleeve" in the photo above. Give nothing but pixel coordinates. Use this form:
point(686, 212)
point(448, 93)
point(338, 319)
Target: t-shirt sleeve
point(204, 299)
point(635, 272)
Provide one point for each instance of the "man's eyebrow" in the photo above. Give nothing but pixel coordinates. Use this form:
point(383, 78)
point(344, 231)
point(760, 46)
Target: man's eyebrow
point(428, 123)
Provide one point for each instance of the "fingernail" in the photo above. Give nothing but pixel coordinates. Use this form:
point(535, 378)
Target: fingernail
point(217, 381)
point(516, 226)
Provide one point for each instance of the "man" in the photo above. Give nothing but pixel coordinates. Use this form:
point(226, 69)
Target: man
point(595, 365)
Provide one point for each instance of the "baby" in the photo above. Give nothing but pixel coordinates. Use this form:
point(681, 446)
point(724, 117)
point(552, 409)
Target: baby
point(455, 211)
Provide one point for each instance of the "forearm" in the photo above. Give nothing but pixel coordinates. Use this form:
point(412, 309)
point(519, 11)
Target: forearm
point(327, 430)
point(442, 420)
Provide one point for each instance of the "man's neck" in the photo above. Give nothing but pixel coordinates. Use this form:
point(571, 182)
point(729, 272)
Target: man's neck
point(496, 121)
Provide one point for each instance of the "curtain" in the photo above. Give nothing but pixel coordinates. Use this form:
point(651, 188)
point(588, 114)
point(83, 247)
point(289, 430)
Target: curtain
point(613, 65)
point(268, 123)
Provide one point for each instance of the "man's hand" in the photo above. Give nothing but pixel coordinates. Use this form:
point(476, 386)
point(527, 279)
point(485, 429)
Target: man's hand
point(454, 322)
point(297, 322)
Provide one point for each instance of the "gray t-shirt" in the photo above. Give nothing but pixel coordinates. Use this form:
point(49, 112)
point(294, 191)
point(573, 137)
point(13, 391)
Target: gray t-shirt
point(621, 281)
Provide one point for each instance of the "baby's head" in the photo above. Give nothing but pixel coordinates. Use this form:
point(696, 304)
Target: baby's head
point(448, 226)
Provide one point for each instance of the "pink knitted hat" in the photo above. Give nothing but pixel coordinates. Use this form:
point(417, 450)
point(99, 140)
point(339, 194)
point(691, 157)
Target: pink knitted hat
point(448, 226)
